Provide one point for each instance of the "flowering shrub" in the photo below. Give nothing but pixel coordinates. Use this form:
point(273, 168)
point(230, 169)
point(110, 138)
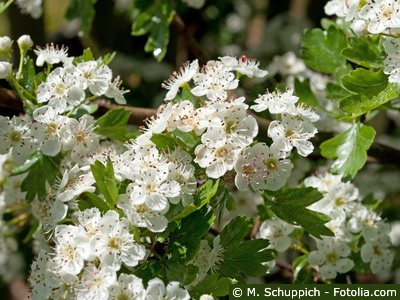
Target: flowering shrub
point(207, 193)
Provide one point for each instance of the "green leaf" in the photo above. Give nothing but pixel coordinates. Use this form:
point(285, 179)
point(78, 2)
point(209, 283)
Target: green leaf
point(212, 285)
point(164, 142)
point(42, 174)
point(247, 258)
point(189, 234)
point(113, 124)
point(298, 265)
point(337, 92)
point(358, 105)
point(236, 231)
point(202, 196)
point(350, 149)
point(222, 199)
point(183, 273)
point(187, 138)
point(105, 181)
point(29, 75)
point(84, 10)
point(366, 82)
point(92, 200)
point(87, 54)
point(365, 52)
point(4, 6)
point(321, 49)
point(303, 91)
point(290, 205)
point(29, 163)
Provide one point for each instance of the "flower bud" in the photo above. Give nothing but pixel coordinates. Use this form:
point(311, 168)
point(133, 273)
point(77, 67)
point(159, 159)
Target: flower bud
point(5, 46)
point(25, 42)
point(5, 69)
point(359, 27)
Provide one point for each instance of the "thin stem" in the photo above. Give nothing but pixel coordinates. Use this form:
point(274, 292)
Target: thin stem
point(79, 104)
point(390, 35)
point(299, 248)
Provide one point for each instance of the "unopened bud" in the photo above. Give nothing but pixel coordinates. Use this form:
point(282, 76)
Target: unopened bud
point(5, 46)
point(5, 69)
point(359, 27)
point(25, 42)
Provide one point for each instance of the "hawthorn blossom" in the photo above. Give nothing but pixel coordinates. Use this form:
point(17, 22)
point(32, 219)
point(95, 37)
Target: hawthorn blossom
point(116, 92)
point(51, 55)
point(262, 167)
point(381, 15)
point(95, 77)
point(156, 290)
point(376, 248)
point(152, 188)
point(179, 78)
point(16, 135)
point(277, 233)
point(182, 117)
point(5, 69)
point(113, 243)
point(217, 157)
point(41, 287)
point(49, 129)
point(332, 257)
point(129, 287)
point(294, 132)
point(31, 7)
point(244, 65)
point(213, 81)
point(276, 102)
point(95, 282)
point(342, 8)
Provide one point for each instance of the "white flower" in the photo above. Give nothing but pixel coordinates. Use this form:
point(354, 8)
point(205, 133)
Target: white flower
point(141, 215)
point(90, 219)
point(80, 136)
point(340, 199)
point(287, 64)
point(62, 88)
point(32, 7)
point(262, 167)
point(152, 188)
point(217, 158)
point(195, 3)
point(41, 288)
point(182, 117)
point(51, 55)
point(128, 287)
point(342, 8)
point(15, 134)
point(381, 15)
point(113, 243)
point(184, 176)
point(277, 233)
point(331, 257)
point(213, 81)
point(156, 290)
point(49, 212)
point(71, 249)
point(360, 27)
point(244, 65)
point(362, 218)
point(376, 248)
point(74, 183)
point(5, 69)
point(158, 123)
point(323, 182)
point(115, 92)
point(49, 129)
point(294, 132)
point(178, 79)
point(95, 283)
point(392, 61)
point(276, 102)
point(231, 123)
point(95, 77)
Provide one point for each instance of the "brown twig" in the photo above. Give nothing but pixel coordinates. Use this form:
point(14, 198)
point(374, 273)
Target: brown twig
point(191, 43)
point(11, 105)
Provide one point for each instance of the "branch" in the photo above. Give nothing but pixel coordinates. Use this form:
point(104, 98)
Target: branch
point(10, 105)
point(191, 43)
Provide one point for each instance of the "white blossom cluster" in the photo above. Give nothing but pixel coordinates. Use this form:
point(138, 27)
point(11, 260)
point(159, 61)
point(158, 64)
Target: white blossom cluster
point(392, 60)
point(351, 222)
point(373, 16)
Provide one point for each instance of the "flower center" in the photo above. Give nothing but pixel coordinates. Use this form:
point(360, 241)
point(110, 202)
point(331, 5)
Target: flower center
point(271, 164)
point(331, 257)
point(123, 296)
point(340, 201)
point(377, 250)
point(248, 169)
point(141, 208)
point(52, 128)
point(151, 187)
point(289, 133)
point(81, 136)
point(59, 89)
point(114, 243)
point(15, 136)
point(231, 126)
point(221, 152)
